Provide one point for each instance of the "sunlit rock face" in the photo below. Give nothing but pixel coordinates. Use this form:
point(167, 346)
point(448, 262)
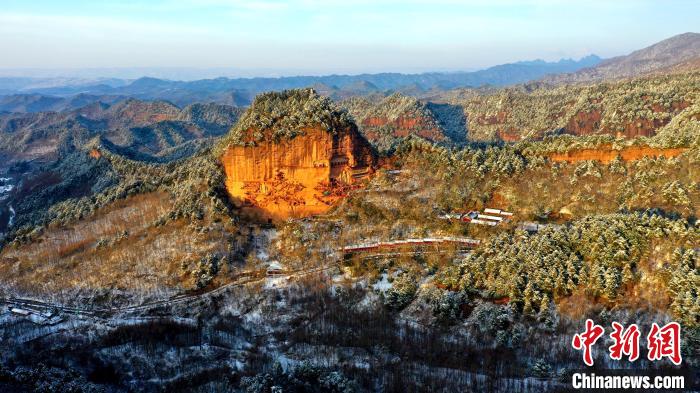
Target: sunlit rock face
point(296, 175)
point(607, 154)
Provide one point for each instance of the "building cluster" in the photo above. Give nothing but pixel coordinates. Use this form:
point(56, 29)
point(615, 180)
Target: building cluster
point(490, 217)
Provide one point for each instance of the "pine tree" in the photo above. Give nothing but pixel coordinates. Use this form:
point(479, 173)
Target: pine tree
point(613, 278)
point(544, 305)
point(627, 275)
point(528, 298)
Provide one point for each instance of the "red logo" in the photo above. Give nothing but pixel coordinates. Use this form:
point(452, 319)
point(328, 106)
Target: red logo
point(626, 342)
point(586, 340)
point(665, 342)
point(662, 342)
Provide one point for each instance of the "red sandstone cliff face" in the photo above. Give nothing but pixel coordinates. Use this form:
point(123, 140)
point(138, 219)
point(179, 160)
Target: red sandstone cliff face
point(584, 123)
point(396, 116)
point(297, 177)
point(588, 123)
point(642, 127)
point(499, 118)
point(509, 135)
point(606, 154)
point(533, 116)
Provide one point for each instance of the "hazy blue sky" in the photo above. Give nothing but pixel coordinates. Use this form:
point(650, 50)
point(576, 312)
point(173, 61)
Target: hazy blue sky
point(269, 37)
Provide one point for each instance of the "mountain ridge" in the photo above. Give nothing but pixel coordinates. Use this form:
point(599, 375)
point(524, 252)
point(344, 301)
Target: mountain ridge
point(146, 127)
point(243, 90)
point(661, 55)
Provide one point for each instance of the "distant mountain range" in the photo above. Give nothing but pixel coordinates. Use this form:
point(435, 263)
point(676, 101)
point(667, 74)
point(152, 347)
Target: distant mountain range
point(680, 53)
point(30, 103)
point(240, 92)
point(677, 54)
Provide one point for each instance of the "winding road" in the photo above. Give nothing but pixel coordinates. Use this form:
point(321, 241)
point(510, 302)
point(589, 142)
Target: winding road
point(245, 279)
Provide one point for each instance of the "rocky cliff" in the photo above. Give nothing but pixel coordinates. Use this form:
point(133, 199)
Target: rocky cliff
point(607, 154)
point(385, 121)
point(293, 154)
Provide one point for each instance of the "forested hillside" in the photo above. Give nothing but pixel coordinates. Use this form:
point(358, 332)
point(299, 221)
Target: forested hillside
point(627, 108)
point(144, 251)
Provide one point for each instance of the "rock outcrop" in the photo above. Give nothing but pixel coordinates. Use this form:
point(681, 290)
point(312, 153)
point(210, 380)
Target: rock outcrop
point(607, 154)
point(628, 108)
point(293, 154)
point(387, 121)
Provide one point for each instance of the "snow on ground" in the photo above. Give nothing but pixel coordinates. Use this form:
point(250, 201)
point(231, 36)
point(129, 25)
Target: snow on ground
point(253, 317)
point(5, 185)
point(263, 242)
point(5, 188)
point(134, 321)
point(339, 278)
point(286, 362)
point(370, 301)
point(324, 354)
point(236, 364)
point(11, 220)
point(426, 282)
point(276, 282)
point(275, 265)
point(383, 284)
point(34, 331)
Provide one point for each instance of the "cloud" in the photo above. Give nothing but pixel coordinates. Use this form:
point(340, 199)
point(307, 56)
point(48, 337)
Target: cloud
point(12, 23)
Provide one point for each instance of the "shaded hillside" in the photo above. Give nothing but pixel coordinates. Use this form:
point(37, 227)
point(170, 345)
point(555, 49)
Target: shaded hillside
point(109, 215)
point(45, 160)
point(451, 119)
point(130, 113)
point(359, 88)
point(628, 108)
point(685, 66)
point(385, 121)
point(211, 116)
point(146, 127)
point(662, 55)
point(39, 187)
